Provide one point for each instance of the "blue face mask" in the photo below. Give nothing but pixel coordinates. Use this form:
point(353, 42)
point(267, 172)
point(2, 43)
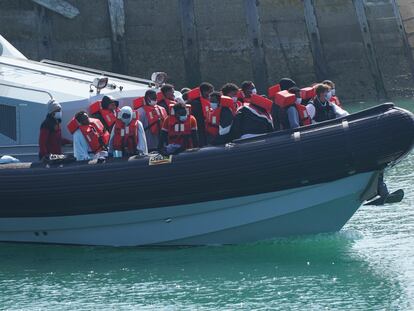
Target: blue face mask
point(183, 118)
point(328, 96)
point(214, 106)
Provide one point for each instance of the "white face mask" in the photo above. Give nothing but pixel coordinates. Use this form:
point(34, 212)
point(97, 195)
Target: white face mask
point(254, 91)
point(333, 92)
point(152, 102)
point(214, 106)
point(328, 96)
point(58, 115)
point(183, 118)
point(298, 100)
point(235, 99)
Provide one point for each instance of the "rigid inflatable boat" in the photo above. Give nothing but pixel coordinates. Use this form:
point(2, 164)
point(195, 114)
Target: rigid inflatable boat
point(303, 181)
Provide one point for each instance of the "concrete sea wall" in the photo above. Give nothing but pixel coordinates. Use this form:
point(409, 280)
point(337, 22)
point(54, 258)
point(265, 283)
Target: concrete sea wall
point(365, 46)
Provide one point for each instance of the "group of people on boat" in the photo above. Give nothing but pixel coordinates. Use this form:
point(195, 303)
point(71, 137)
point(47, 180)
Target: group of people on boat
point(160, 121)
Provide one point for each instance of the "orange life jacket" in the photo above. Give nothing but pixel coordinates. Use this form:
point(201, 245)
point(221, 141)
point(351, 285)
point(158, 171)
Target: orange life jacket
point(273, 90)
point(155, 114)
point(168, 102)
point(180, 132)
point(286, 100)
point(205, 103)
point(263, 103)
point(108, 116)
point(242, 98)
point(213, 116)
point(125, 136)
point(307, 93)
point(94, 133)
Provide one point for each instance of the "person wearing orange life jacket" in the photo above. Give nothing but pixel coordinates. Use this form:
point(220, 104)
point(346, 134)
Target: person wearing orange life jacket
point(232, 90)
point(90, 139)
point(152, 117)
point(179, 131)
point(128, 135)
point(199, 99)
point(247, 89)
point(334, 99)
point(295, 111)
point(167, 97)
point(220, 119)
point(105, 111)
point(253, 118)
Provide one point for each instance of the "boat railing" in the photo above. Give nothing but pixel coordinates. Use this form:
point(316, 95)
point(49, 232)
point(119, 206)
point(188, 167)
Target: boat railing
point(95, 71)
point(27, 89)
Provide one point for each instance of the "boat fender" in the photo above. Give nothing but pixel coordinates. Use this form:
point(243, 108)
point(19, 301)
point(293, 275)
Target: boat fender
point(284, 99)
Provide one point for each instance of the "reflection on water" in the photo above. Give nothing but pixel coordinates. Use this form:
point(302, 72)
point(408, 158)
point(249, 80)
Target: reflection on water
point(367, 266)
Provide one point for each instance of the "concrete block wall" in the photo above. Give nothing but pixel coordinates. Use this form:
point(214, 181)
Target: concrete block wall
point(365, 46)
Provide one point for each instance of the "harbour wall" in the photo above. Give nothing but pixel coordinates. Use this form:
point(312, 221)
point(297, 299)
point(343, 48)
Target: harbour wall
point(365, 46)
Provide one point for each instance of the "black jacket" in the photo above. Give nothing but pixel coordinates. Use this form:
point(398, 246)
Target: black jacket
point(247, 122)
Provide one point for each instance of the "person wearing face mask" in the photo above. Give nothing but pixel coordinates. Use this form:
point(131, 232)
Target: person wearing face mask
point(151, 116)
point(179, 131)
point(247, 90)
point(334, 99)
point(128, 135)
point(50, 136)
point(90, 139)
point(105, 111)
point(232, 90)
point(220, 119)
point(199, 99)
point(320, 108)
point(167, 97)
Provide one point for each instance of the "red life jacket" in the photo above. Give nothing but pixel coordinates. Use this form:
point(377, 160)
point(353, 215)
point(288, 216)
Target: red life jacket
point(307, 93)
point(273, 90)
point(94, 133)
point(180, 133)
point(125, 136)
point(205, 103)
point(155, 114)
point(335, 100)
point(286, 100)
point(263, 103)
point(213, 116)
point(242, 98)
point(108, 116)
point(168, 102)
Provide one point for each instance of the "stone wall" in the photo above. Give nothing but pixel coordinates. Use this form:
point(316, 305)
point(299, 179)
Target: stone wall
point(365, 46)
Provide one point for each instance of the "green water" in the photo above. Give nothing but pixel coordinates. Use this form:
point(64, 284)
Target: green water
point(369, 265)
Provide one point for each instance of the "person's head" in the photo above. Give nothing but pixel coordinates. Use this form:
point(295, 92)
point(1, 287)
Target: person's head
point(109, 103)
point(295, 90)
point(331, 85)
point(230, 90)
point(54, 109)
point(215, 100)
point(168, 91)
point(206, 89)
point(248, 88)
point(286, 84)
point(180, 112)
point(185, 90)
point(150, 97)
point(82, 118)
point(125, 115)
point(322, 92)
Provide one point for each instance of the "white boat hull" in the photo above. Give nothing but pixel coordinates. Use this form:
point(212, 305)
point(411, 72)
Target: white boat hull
point(307, 210)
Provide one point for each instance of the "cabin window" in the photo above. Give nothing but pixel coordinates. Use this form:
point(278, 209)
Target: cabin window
point(8, 121)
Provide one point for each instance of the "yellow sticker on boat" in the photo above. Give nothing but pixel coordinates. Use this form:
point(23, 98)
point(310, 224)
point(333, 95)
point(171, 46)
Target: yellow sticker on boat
point(159, 159)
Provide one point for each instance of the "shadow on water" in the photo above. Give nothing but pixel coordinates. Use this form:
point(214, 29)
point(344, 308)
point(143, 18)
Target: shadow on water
point(314, 272)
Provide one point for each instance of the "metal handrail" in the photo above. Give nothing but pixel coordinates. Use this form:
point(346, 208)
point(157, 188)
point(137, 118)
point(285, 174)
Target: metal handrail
point(96, 71)
point(46, 73)
point(27, 88)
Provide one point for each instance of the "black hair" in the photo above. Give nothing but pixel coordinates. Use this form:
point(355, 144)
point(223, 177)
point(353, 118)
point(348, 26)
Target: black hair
point(185, 90)
point(78, 115)
point(228, 88)
point(246, 84)
point(215, 94)
point(205, 86)
point(166, 88)
point(294, 90)
point(286, 84)
point(148, 93)
point(49, 123)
